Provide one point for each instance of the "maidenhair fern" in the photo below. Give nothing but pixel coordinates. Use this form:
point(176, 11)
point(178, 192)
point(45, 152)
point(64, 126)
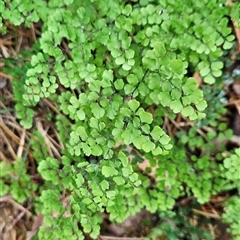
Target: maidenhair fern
point(16, 180)
point(231, 216)
point(105, 64)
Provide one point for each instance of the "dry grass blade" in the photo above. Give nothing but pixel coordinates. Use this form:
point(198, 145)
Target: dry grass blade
point(21, 144)
point(33, 33)
point(206, 214)
point(11, 213)
point(52, 149)
point(14, 223)
point(9, 146)
point(38, 220)
point(10, 133)
point(3, 75)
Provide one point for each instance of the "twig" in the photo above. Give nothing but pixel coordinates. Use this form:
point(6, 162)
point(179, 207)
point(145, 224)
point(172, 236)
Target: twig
point(10, 149)
point(3, 75)
point(206, 214)
point(16, 220)
point(21, 144)
point(33, 33)
point(9, 132)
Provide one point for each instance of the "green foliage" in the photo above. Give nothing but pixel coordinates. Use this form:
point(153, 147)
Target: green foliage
point(231, 166)
point(123, 68)
point(40, 150)
point(25, 114)
point(231, 216)
point(15, 180)
point(235, 13)
point(176, 226)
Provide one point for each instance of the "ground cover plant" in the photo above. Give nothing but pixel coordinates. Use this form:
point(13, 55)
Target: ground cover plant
point(115, 79)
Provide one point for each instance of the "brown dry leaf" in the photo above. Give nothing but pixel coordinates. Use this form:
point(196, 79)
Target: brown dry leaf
point(7, 213)
point(236, 121)
point(236, 88)
point(198, 78)
point(38, 220)
point(132, 226)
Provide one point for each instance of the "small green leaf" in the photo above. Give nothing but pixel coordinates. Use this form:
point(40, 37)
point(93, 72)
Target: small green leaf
point(133, 177)
point(123, 159)
point(91, 67)
point(209, 79)
point(145, 128)
point(83, 98)
point(79, 180)
point(96, 150)
point(201, 105)
point(93, 123)
point(85, 148)
point(205, 71)
point(104, 102)
point(133, 104)
point(157, 151)
point(105, 83)
point(97, 111)
point(217, 73)
point(156, 133)
point(108, 171)
point(177, 66)
point(81, 114)
point(119, 180)
point(176, 106)
point(164, 140)
point(127, 136)
point(126, 112)
point(110, 194)
point(104, 185)
point(136, 122)
point(132, 79)
point(159, 49)
point(126, 171)
point(129, 53)
point(139, 141)
point(119, 84)
point(177, 82)
point(189, 86)
point(127, 10)
point(128, 88)
point(4, 189)
point(94, 86)
point(187, 111)
point(165, 98)
point(201, 115)
point(120, 60)
point(148, 146)
point(176, 94)
point(116, 52)
point(80, 131)
point(216, 66)
point(108, 74)
point(166, 86)
point(145, 117)
point(227, 45)
point(82, 164)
